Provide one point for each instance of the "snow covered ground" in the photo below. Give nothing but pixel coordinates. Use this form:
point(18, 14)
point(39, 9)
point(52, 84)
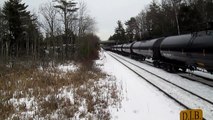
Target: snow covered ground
point(186, 98)
point(141, 100)
point(67, 91)
point(203, 74)
point(68, 67)
point(123, 94)
point(197, 88)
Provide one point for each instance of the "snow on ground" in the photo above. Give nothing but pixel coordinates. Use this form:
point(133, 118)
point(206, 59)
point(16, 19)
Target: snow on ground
point(188, 99)
point(141, 100)
point(203, 74)
point(28, 103)
point(68, 67)
point(198, 88)
point(73, 93)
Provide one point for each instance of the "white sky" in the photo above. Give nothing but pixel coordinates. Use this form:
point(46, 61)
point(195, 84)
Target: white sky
point(105, 12)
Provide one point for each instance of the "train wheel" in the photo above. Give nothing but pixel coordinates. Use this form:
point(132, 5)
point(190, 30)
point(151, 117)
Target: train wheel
point(176, 69)
point(156, 64)
point(142, 58)
point(170, 68)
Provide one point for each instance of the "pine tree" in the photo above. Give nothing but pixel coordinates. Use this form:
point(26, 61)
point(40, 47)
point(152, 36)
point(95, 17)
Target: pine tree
point(1, 33)
point(132, 30)
point(23, 36)
point(3, 36)
point(120, 32)
point(14, 12)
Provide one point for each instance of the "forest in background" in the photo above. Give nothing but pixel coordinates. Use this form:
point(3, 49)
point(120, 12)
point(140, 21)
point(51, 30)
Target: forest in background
point(167, 18)
point(62, 31)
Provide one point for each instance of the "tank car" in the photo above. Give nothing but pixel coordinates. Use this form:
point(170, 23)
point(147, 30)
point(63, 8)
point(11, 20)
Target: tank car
point(126, 49)
point(136, 50)
point(118, 48)
point(174, 52)
point(188, 51)
point(201, 50)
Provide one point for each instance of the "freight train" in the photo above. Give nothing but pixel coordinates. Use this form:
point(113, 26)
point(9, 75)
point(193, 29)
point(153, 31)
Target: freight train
point(188, 51)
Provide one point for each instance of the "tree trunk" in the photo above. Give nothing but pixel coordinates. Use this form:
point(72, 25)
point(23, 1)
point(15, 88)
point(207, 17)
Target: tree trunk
point(177, 22)
point(27, 44)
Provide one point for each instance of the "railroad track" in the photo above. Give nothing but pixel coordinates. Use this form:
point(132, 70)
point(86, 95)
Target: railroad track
point(202, 77)
point(189, 76)
point(203, 103)
point(197, 79)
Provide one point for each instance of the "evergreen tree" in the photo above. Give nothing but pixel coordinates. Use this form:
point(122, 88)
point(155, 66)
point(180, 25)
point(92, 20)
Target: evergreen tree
point(15, 12)
point(119, 35)
point(21, 33)
point(209, 11)
point(120, 32)
point(190, 18)
point(154, 18)
point(1, 33)
point(3, 36)
point(171, 17)
point(168, 20)
point(132, 30)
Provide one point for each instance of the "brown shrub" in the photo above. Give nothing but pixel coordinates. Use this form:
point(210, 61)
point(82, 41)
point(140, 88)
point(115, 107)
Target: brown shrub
point(30, 82)
point(6, 110)
point(87, 49)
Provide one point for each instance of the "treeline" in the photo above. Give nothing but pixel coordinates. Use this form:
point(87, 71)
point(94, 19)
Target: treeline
point(52, 37)
point(170, 17)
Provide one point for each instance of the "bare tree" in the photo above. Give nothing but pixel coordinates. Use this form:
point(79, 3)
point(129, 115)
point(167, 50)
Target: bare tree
point(50, 22)
point(141, 22)
point(66, 7)
point(86, 24)
point(49, 14)
point(73, 23)
point(89, 25)
point(176, 4)
point(82, 12)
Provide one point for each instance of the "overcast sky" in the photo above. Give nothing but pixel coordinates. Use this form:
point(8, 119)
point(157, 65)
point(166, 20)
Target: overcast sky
point(105, 12)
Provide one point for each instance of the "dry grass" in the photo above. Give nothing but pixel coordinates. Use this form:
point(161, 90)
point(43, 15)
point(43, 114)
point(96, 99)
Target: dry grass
point(88, 87)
